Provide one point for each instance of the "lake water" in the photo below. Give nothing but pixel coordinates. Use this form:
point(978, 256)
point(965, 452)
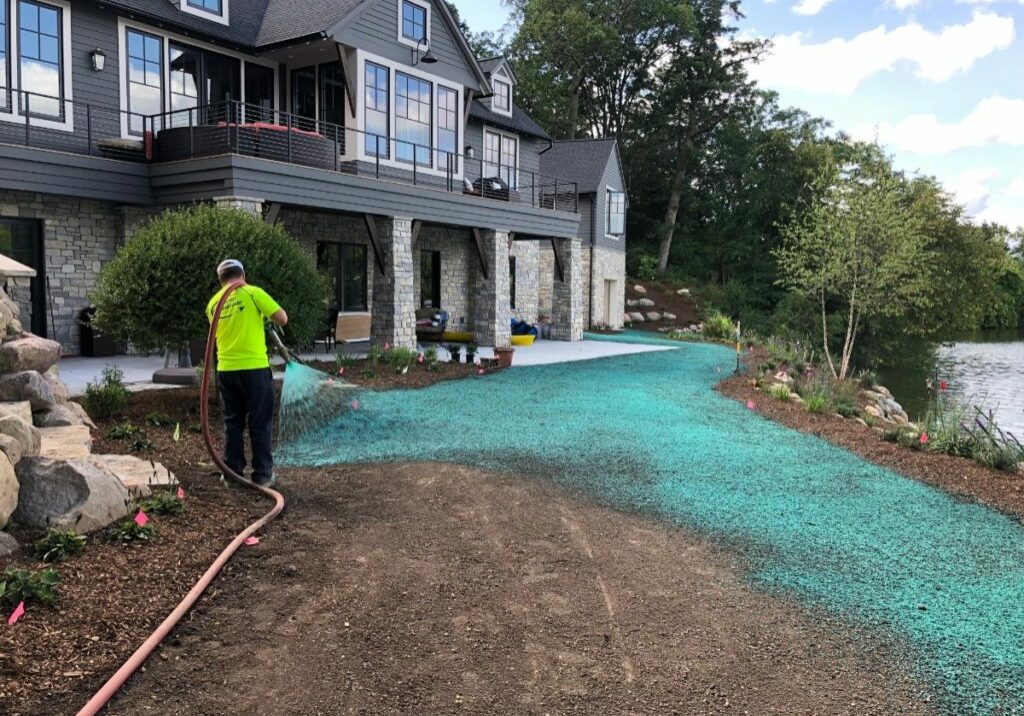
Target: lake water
point(984, 368)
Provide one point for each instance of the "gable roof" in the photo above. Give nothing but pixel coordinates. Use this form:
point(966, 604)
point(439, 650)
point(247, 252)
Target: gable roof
point(520, 122)
point(492, 64)
point(286, 20)
point(246, 16)
point(580, 160)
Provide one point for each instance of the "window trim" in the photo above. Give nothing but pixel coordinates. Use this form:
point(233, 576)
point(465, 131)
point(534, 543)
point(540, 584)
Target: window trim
point(223, 17)
point(362, 57)
point(425, 6)
point(14, 113)
point(494, 104)
point(608, 214)
point(503, 135)
point(124, 25)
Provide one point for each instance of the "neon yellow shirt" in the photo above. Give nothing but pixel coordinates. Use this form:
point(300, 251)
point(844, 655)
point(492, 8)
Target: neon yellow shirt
point(241, 342)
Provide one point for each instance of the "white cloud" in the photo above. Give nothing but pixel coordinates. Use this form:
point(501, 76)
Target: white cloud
point(904, 4)
point(993, 121)
point(840, 65)
point(1010, 216)
point(971, 188)
point(811, 7)
point(1016, 188)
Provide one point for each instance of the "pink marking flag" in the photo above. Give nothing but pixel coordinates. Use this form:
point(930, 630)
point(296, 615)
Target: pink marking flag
point(141, 519)
point(252, 541)
point(420, 359)
point(924, 438)
point(481, 371)
point(355, 405)
point(331, 381)
point(387, 346)
point(181, 492)
point(751, 405)
point(18, 613)
point(341, 370)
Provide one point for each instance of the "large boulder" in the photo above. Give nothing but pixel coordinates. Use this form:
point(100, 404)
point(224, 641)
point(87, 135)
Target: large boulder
point(26, 435)
point(639, 289)
point(637, 318)
point(654, 316)
point(11, 448)
point(669, 316)
point(21, 409)
point(8, 545)
point(139, 476)
point(28, 352)
point(8, 491)
point(61, 416)
point(9, 315)
point(645, 303)
point(69, 494)
point(28, 385)
point(58, 390)
point(66, 443)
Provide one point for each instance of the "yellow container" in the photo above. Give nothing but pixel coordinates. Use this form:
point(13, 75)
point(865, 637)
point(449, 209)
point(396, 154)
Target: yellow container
point(523, 340)
point(458, 337)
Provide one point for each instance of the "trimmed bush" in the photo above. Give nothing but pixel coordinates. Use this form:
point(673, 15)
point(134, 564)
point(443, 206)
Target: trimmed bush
point(108, 397)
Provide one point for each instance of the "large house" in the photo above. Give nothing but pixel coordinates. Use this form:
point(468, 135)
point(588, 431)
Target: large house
point(367, 128)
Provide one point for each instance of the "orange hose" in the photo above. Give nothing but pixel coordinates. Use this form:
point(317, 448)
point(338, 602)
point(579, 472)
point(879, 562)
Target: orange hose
point(103, 696)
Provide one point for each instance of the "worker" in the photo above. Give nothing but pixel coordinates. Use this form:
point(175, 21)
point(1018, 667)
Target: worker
point(243, 371)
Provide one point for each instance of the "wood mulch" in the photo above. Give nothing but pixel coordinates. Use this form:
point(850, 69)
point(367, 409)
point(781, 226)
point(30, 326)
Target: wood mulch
point(961, 477)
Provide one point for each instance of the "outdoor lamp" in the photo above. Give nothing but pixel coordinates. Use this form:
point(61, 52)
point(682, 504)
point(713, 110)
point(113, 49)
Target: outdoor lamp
point(470, 151)
point(428, 56)
point(99, 59)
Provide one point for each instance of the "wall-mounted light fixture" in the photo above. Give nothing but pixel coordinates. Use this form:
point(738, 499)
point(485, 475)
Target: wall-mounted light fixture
point(470, 151)
point(424, 56)
point(99, 59)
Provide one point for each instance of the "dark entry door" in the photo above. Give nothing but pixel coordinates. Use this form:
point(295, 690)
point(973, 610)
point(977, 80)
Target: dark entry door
point(22, 241)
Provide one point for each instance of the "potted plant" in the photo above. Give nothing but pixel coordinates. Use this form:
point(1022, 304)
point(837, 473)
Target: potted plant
point(453, 351)
point(471, 350)
point(504, 356)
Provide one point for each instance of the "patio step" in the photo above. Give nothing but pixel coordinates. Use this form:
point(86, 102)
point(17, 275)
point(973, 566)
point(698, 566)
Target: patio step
point(67, 443)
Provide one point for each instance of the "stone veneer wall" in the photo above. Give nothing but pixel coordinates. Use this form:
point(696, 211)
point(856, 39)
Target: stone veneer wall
point(310, 227)
point(545, 278)
point(527, 255)
point(608, 266)
point(458, 274)
point(568, 318)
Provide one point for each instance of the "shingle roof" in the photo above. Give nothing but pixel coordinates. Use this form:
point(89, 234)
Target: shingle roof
point(519, 122)
point(581, 160)
point(491, 63)
point(292, 19)
point(245, 15)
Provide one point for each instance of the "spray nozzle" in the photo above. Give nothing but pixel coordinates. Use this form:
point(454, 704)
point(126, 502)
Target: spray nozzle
point(278, 345)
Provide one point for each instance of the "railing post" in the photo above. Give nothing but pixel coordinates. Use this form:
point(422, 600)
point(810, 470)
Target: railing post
point(576, 209)
point(337, 161)
point(28, 124)
point(533, 189)
point(376, 139)
point(88, 127)
point(554, 200)
point(191, 135)
point(232, 107)
point(415, 163)
point(289, 126)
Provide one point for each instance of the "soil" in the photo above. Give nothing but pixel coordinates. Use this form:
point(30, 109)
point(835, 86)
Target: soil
point(962, 477)
point(685, 308)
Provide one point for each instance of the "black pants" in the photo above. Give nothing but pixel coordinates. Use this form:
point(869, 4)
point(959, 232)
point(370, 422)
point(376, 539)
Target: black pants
point(248, 397)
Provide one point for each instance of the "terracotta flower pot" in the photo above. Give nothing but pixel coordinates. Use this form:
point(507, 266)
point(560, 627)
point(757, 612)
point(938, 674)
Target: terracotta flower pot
point(504, 356)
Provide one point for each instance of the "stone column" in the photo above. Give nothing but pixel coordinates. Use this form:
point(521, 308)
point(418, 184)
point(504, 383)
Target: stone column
point(527, 255)
point(394, 303)
point(567, 305)
point(245, 203)
point(492, 313)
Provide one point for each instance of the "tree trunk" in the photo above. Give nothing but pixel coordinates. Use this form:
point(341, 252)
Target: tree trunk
point(824, 335)
point(668, 227)
point(574, 107)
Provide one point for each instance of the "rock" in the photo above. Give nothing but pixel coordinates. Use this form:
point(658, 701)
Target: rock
point(654, 316)
point(795, 398)
point(694, 328)
point(783, 377)
point(639, 289)
point(8, 545)
point(645, 303)
point(21, 409)
point(874, 411)
point(632, 302)
point(137, 475)
point(69, 494)
point(65, 443)
point(872, 395)
point(11, 448)
point(28, 352)
point(26, 435)
point(883, 390)
point(626, 318)
point(27, 385)
point(58, 390)
point(683, 292)
point(60, 416)
point(9, 315)
point(669, 316)
point(79, 411)
point(636, 318)
point(8, 491)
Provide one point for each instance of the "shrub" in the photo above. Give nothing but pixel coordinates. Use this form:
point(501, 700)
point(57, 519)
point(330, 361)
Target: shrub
point(779, 391)
point(642, 265)
point(164, 504)
point(58, 545)
point(817, 403)
point(136, 438)
point(374, 355)
point(155, 290)
point(720, 327)
point(401, 359)
point(159, 420)
point(844, 397)
point(998, 457)
point(868, 379)
point(23, 585)
point(132, 531)
point(454, 351)
point(108, 397)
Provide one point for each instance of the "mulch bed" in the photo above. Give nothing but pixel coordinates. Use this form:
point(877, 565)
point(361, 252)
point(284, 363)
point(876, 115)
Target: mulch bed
point(384, 377)
point(962, 477)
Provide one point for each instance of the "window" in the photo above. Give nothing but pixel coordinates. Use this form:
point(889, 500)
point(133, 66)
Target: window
point(259, 93)
point(616, 213)
point(304, 97)
point(414, 21)
point(501, 156)
point(332, 94)
point(430, 279)
point(202, 78)
point(40, 66)
point(213, 10)
point(343, 267)
point(502, 96)
point(211, 6)
point(413, 110)
point(378, 90)
point(184, 84)
point(5, 70)
point(512, 281)
point(145, 78)
point(447, 129)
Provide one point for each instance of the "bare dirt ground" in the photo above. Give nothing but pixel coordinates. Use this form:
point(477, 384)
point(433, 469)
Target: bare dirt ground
point(437, 589)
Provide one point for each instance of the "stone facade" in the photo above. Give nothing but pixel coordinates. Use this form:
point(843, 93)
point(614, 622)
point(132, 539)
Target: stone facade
point(527, 255)
point(394, 309)
point(567, 315)
point(458, 274)
point(491, 295)
point(248, 204)
point(608, 277)
point(545, 279)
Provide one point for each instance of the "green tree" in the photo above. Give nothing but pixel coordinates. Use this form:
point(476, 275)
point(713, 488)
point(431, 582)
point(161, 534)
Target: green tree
point(484, 44)
point(155, 290)
point(859, 247)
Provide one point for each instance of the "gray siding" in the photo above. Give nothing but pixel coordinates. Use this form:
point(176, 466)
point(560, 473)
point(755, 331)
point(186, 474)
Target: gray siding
point(529, 153)
point(92, 28)
point(375, 29)
point(587, 219)
point(60, 174)
point(613, 180)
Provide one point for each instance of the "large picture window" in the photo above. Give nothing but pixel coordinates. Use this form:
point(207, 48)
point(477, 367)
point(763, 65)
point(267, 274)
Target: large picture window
point(343, 267)
point(447, 129)
point(145, 78)
point(40, 65)
point(304, 97)
point(616, 213)
point(378, 104)
point(501, 156)
point(413, 110)
point(414, 21)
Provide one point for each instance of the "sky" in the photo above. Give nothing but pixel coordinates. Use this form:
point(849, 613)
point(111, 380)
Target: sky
point(939, 82)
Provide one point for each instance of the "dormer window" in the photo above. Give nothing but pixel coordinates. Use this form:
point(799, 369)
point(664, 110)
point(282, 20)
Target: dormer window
point(215, 10)
point(502, 97)
point(413, 21)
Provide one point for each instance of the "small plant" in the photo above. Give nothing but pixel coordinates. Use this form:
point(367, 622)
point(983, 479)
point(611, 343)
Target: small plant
point(163, 503)
point(58, 545)
point(375, 354)
point(718, 326)
point(159, 420)
point(868, 379)
point(132, 531)
point(646, 267)
point(471, 350)
point(401, 359)
point(136, 438)
point(779, 391)
point(107, 398)
point(24, 585)
point(454, 351)
point(431, 359)
point(177, 433)
point(817, 403)
point(868, 419)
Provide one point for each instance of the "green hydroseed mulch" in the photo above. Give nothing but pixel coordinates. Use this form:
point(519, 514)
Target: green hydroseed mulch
point(648, 432)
